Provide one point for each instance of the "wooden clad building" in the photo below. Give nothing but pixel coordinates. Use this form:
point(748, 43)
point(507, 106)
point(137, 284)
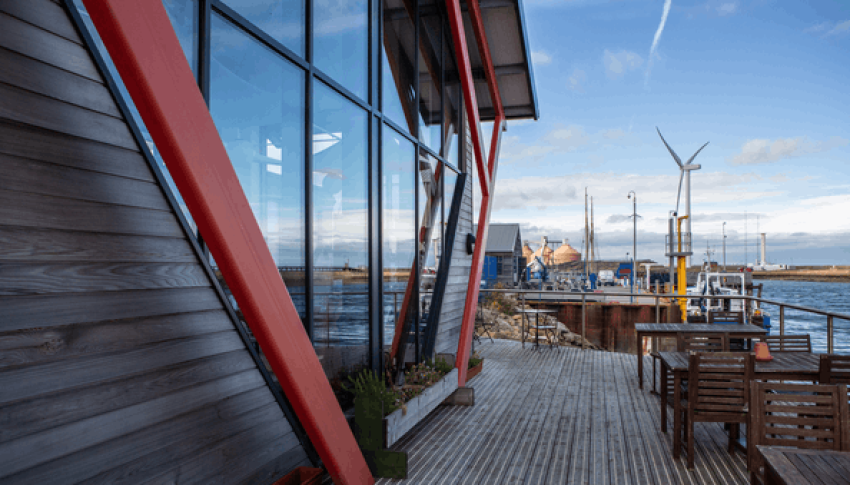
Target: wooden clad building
point(123, 356)
point(119, 360)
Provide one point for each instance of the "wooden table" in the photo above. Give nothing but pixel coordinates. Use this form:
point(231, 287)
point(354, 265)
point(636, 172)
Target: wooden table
point(787, 466)
point(787, 366)
point(672, 329)
point(536, 312)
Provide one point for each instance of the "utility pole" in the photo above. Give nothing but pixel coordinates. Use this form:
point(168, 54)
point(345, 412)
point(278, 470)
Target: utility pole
point(586, 239)
point(746, 244)
point(724, 246)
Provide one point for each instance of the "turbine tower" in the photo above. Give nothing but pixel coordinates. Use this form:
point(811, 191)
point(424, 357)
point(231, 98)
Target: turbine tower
point(685, 168)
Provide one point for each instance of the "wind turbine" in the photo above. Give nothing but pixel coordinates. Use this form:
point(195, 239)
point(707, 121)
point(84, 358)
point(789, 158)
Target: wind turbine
point(687, 167)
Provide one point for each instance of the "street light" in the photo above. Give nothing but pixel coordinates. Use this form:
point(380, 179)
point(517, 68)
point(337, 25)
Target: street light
point(633, 196)
point(724, 247)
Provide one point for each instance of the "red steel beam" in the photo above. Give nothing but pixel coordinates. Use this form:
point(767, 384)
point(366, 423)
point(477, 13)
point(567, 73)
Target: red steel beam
point(468, 86)
point(486, 58)
point(148, 56)
point(487, 175)
point(467, 328)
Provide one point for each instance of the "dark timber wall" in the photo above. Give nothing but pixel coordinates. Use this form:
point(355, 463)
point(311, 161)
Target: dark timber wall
point(458, 282)
point(118, 360)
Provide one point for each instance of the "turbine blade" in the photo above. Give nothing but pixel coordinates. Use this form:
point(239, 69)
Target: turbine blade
point(679, 192)
point(695, 154)
point(675, 157)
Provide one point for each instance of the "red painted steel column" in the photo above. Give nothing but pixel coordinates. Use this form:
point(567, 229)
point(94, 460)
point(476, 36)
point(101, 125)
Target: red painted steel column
point(468, 86)
point(467, 328)
point(487, 174)
point(148, 56)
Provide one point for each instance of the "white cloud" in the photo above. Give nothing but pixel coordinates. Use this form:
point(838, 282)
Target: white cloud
point(561, 139)
point(618, 63)
point(827, 29)
point(728, 8)
point(841, 28)
point(576, 80)
point(654, 47)
point(540, 58)
point(759, 150)
point(613, 134)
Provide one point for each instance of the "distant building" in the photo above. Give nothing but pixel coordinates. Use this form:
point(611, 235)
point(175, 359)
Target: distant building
point(504, 242)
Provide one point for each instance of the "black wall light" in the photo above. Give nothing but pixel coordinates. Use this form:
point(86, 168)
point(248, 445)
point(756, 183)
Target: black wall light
point(470, 243)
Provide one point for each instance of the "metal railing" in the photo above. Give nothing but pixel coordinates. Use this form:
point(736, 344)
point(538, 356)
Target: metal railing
point(830, 316)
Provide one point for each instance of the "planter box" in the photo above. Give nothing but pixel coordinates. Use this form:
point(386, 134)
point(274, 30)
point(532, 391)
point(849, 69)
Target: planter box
point(302, 476)
point(397, 424)
point(474, 371)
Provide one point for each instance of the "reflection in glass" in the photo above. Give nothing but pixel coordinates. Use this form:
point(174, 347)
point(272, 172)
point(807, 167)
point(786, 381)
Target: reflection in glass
point(257, 103)
point(399, 227)
point(399, 96)
point(283, 20)
point(430, 232)
point(449, 182)
point(430, 77)
point(452, 104)
point(340, 233)
point(184, 20)
point(341, 41)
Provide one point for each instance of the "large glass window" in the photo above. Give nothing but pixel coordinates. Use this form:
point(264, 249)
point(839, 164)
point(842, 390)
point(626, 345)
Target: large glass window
point(283, 20)
point(184, 19)
point(430, 231)
point(430, 76)
point(399, 228)
point(257, 103)
point(341, 42)
point(399, 88)
point(340, 232)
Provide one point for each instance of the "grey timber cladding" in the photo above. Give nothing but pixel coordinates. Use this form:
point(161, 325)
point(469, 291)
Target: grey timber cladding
point(118, 360)
point(456, 288)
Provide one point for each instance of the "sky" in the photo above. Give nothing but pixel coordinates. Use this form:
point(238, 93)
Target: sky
point(764, 82)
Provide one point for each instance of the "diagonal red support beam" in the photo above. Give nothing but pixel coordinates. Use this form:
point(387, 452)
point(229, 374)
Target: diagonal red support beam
point(486, 175)
point(148, 56)
point(468, 86)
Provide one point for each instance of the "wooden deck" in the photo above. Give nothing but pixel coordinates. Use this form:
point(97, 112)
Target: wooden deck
point(544, 417)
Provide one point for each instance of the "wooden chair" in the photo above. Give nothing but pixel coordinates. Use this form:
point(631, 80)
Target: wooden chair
point(729, 318)
point(795, 415)
point(788, 343)
point(718, 392)
point(702, 342)
point(835, 369)
point(686, 341)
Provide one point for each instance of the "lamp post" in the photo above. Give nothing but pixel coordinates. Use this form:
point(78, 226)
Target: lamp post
point(724, 247)
point(633, 196)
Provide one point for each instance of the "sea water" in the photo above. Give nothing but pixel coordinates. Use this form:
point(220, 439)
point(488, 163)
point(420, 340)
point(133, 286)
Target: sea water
point(832, 297)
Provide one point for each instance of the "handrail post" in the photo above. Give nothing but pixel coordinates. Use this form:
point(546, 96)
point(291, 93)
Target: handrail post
point(781, 319)
point(583, 318)
point(657, 307)
point(829, 334)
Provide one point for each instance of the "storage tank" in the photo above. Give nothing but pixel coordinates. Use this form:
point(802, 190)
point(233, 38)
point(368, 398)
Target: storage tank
point(566, 254)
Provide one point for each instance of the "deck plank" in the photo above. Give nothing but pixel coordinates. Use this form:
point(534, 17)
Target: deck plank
point(560, 417)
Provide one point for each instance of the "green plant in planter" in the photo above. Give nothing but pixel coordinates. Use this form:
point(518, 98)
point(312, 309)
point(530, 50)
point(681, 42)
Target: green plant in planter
point(372, 400)
point(427, 373)
point(369, 385)
point(474, 360)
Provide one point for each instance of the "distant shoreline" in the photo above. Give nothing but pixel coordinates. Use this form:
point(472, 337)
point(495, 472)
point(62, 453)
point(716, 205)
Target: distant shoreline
point(821, 275)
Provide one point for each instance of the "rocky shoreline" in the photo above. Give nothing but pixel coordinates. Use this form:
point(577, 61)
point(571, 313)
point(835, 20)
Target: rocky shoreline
point(508, 325)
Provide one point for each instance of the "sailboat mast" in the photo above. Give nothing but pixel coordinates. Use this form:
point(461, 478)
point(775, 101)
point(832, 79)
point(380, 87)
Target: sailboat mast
point(586, 240)
point(592, 239)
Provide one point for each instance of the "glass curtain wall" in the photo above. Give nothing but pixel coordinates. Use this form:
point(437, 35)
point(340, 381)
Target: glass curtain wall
point(398, 215)
point(257, 102)
point(340, 232)
point(294, 105)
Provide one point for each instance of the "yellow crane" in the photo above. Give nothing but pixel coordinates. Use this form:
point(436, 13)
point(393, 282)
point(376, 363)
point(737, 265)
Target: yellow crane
point(682, 266)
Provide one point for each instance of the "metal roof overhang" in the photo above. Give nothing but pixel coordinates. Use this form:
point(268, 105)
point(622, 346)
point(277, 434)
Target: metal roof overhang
point(504, 23)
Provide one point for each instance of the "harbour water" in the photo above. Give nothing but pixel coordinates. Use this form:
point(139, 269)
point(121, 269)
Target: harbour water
point(834, 297)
